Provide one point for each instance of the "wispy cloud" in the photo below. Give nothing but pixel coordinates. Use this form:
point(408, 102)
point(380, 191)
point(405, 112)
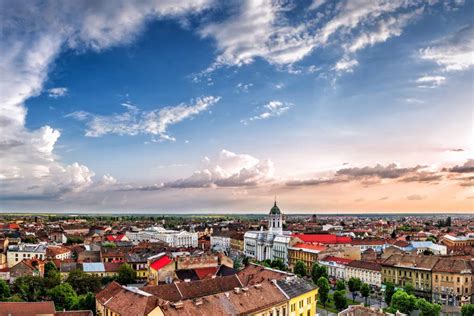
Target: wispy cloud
point(271, 109)
point(430, 81)
point(134, 121)
point(57, 92)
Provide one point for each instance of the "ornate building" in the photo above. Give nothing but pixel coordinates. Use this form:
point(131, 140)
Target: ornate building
point(272, 244)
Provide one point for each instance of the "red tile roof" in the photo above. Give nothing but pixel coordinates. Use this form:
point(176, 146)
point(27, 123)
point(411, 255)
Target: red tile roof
point(26, 308)
point(160, 263)
point(310, 246)
point(323, 238)
point(204, 273)
point(118, 237)
point(338, 260)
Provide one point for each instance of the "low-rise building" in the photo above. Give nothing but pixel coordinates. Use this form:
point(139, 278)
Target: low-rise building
point(171, 237)
point(336, 266)
point(307, 253)
point(17, 253)
point(302, 296)
point(367, 272)
point(453, 281)
point(161, 268)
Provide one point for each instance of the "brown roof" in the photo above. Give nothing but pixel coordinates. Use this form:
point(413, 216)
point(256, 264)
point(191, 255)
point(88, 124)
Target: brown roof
point(368, 265)
point(127, 302)
point(74, 313)
point(253, 274)
point(250, 300)
point(368, 242)
point(26, 308)
point(411, 261)
point(193, 289)
point(56, 250)
point(453, 266)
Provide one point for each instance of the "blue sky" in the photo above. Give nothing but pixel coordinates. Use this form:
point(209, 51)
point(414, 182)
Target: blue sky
point(204, 106)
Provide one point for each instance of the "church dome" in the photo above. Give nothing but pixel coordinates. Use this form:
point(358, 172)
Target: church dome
point(275, 210)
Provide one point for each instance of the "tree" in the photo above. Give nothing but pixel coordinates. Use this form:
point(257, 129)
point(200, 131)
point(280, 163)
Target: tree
point(52, 276)
point(30, 288)
point(318, 271)
point(82, 282)
point(448, 221)
point(428, 252)
point(64, 296)
point(300, 269)
point(389, 291)
point(340, 285)
point(85, 302)
point(365, 291)
point(393, 234)
point(278, 264)
point(246, 261)
point(126, 274)
point(4, 290)
point(409, 288)
point(324, 288)
point(48, 267)
point(467, 310)
point(354, 286)
point(340, 300)
point(403, 302)
point(427, 308)
point(237, 264)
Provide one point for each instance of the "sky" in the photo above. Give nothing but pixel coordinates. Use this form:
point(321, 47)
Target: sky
point(204, 106)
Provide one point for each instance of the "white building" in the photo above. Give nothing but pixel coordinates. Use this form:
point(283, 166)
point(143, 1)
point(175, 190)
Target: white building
point(272, 244)
point(368, 272)
point(17, 253)
point(335, 266)
point(422, 246)
point(220, 242)
point(171, 237)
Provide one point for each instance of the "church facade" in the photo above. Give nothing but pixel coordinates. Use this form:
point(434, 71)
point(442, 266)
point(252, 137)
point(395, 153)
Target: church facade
point(271, 244)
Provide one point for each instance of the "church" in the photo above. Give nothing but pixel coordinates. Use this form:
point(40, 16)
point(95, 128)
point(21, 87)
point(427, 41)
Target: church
point(272, 244)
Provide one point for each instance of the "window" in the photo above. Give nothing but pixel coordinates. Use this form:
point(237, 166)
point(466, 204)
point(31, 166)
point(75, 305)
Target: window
point(308, 300)
point(459, 279)
point(309, 313)
point(293, 307)
point(301, 304)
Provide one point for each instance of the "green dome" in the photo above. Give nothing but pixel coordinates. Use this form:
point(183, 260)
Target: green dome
point(275, 210)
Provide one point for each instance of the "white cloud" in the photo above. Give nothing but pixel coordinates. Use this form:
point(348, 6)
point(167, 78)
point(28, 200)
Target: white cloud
point(430, 81)
point(244, 87)
point(454, 52)
point(346, 64)
point(228, 170)
point(271, 109)
point(134, 122)
point(33, 34)
point(57, 92)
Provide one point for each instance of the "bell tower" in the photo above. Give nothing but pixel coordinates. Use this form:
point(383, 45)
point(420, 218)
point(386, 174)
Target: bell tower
point(275, 220)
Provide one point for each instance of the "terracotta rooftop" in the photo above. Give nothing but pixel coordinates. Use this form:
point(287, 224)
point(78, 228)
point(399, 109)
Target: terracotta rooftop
point(454, 266)
point(368, 265)
point(411, 261)
point(310, 247)
point(323, 238)
point(26, 308)
point(74, 313)
point(254, 274)
point(338, 260)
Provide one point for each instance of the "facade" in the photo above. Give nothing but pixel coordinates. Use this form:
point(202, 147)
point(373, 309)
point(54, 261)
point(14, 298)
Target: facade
point(415, 269)
point(453, 281)
point(171, 237)
point(272, 244)
point(220, 242)
point(422, 246)
point(458, 241)
point(336, 266)
point(367, 272)
point(17, 253)
point(307, 253)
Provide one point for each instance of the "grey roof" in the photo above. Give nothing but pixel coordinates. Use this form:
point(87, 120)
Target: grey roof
point(294, 287)
point(69, 266)
point(93, 267)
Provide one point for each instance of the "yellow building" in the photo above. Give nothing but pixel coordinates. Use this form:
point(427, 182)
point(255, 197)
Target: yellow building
point(302, 296)
point(307, 253)
point(453, 281)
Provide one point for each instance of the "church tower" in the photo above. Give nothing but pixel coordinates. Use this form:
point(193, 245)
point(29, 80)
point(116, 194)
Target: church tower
point(275, 220)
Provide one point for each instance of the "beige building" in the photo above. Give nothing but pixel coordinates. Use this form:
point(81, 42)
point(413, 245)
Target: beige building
point(367, 272)
point(453, 281)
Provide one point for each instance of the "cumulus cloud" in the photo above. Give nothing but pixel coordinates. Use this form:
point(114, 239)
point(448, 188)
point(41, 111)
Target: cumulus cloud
point(57, 92)
point(467, 167)
point(346, 65)
point(454, 52)
point(244, 87)
point(134, 121)
point(271, 109)
point(33, 35)
point(228, 170)
point(430, 81)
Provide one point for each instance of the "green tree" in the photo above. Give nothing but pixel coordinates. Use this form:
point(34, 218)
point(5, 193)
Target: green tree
point(317, 272)
point(403, 302)
point(64, 296)
point(389, 291)
point(409, 288)
point(4, 290)
point(300, 269)
point(30, 288)
point(427, 308)
point(237, 264)
point(82, 282)
point(354, 285)
point(365, 291)
point(278, 264)
point(467, 310)
point(48, 267)
point(340, 300)
point(324, 288)
point(52, 276)
point(126, 274)
point(85, 302)
point(340, 285)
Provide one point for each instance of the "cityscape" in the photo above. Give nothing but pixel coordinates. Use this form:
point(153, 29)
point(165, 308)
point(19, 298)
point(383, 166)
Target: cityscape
point(243, 157)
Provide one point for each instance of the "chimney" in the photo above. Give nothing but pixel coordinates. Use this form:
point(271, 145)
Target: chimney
point(237, 290)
